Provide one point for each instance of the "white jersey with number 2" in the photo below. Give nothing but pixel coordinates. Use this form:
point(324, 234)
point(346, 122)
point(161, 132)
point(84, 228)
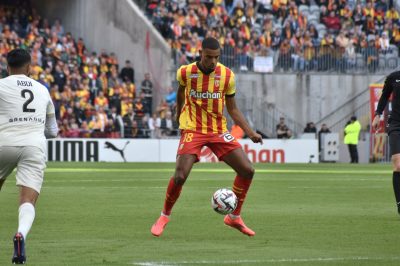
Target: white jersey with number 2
point(24, 104)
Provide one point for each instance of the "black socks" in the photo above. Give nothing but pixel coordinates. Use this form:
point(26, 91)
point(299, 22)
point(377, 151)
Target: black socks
point(396, 188)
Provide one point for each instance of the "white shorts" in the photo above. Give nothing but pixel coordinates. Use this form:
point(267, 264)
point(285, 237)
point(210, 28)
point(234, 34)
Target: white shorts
point(30, 162)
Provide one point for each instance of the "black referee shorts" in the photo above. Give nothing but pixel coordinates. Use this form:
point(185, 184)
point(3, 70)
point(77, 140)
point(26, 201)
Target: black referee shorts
point(394, 137)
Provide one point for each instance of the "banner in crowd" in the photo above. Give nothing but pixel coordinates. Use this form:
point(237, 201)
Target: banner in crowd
point(378, 138)
point(263, 64)
point(156, 150)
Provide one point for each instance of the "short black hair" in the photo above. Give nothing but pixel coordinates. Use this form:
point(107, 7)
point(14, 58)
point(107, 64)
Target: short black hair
point(353, 118)
point(18, 58)
point(210, 43)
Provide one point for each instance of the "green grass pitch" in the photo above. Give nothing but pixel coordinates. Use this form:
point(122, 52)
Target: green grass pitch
point(315, 214)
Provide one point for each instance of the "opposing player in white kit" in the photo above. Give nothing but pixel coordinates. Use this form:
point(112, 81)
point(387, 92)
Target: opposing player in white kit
point(27, 118)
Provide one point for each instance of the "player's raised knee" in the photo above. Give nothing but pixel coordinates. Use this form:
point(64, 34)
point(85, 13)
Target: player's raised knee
point(247, 172)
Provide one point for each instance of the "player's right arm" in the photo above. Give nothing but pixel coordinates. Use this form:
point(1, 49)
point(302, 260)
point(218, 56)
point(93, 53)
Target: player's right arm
point(180, 100)
point(386, 92)
point(180, 96)
point(51, 127)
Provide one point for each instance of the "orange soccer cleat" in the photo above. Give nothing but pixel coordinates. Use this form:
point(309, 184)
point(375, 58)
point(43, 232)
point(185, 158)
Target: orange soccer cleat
point(239, 225)
point(158, 227)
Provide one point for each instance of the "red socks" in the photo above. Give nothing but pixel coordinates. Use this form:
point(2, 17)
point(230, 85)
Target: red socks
point(173, 192)
point(240, 187)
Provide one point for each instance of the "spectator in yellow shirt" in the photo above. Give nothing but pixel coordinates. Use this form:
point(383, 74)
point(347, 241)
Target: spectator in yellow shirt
point(101, 101)
point(126, 104)
point(392, 14)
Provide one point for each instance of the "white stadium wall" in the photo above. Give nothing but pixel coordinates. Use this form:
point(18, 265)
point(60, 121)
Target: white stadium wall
point(114, 26)
point(305, 97)
point(155, 150)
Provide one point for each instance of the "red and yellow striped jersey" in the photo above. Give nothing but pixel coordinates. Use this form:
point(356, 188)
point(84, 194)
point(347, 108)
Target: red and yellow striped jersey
point(205, 98)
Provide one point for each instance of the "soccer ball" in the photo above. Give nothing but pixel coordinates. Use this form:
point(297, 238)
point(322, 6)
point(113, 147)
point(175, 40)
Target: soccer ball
point(224, 201)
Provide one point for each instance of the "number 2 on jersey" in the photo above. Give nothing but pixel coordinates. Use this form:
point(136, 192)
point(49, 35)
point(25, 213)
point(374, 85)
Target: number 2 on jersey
point(25, 108)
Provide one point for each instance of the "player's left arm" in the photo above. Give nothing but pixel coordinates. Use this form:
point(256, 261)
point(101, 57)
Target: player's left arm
point(51, 127)
point(383, 100)
point(239, 119)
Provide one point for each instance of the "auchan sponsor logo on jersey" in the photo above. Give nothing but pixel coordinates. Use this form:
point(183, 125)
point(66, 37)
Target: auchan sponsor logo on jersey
point(205, 95)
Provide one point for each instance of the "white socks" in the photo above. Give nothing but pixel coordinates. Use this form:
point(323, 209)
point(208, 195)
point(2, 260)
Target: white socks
point(26, 217)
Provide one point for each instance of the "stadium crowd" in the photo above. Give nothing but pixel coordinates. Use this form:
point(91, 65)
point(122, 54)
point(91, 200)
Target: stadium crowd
point(92, 94)
point(96, 97)
point(300, 35)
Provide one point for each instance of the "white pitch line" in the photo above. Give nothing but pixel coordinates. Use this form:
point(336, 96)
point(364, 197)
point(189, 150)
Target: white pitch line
point(329, 187)
point(102, 180)
point(107, 187)
point(134, 180)
point(209, 170)
point(289, 260)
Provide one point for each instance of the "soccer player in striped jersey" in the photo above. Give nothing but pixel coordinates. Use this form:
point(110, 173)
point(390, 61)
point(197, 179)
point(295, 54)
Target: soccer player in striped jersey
point(204, 88)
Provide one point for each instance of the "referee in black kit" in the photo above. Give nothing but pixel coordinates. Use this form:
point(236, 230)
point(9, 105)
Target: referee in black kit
point(392, 85)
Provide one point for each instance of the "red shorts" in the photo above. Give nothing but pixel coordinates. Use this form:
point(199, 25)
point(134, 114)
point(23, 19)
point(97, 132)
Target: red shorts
point(192, 142)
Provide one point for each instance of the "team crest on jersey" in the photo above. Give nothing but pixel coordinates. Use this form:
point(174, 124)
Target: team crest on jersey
point(194, 76)
point(216, 83)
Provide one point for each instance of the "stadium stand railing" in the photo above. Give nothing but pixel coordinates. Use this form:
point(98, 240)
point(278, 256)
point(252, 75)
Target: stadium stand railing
point(333, 60)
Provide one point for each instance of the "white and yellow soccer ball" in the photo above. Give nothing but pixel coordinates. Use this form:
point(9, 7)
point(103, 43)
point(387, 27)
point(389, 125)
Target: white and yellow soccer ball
point(224, 201)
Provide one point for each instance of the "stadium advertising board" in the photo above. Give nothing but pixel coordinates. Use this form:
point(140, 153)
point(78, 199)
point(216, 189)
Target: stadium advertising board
point(378, 138)
point(154, 150)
